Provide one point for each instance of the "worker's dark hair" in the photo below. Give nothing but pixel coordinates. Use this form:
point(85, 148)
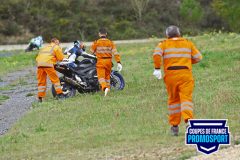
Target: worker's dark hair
point(54, 39)
point(102, 31)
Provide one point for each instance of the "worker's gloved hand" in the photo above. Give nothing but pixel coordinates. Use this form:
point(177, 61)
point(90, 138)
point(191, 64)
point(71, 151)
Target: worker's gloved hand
point(64, 61)
point(119, 67)
point(157, 73)
point(68, 53)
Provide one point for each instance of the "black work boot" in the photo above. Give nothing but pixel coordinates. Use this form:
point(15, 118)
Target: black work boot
point(40, 99)
point(174, 130)
point(61, 96)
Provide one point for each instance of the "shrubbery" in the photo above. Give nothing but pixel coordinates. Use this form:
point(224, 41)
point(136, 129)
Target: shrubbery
point(125, 19)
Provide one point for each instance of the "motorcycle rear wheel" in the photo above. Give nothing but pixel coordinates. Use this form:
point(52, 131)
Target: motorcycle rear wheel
point(67, 89)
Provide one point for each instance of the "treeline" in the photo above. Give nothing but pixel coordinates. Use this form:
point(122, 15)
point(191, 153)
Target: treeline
point(68, 20)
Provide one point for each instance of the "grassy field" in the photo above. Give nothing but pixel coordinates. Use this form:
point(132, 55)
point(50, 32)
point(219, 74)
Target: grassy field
point(133, 123)
point(11, 61)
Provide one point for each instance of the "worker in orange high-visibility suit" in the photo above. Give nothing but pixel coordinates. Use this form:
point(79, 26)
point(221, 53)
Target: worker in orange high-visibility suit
point(178, 55)
point(104, 49)
point(46, 59)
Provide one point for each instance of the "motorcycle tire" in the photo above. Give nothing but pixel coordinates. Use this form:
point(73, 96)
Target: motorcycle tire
point(117, 82)
point(67, 89)
point(28, 49)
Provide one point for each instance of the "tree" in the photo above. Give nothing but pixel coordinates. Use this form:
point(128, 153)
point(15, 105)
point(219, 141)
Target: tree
point(230, 11)
point(139, 6)
point(69, 20)
point(191, 10)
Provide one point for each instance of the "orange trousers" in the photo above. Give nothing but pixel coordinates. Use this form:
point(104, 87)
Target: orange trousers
point(179, 84)
point(42, 73)
point(104, 68)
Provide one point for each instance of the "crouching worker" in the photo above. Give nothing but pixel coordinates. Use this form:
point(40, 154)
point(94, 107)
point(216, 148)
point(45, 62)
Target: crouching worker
point(46, 59)
point(104, 49)
point(178, 55)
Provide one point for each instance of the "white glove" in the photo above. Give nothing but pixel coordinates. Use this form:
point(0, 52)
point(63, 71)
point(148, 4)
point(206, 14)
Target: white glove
point(64, 61)
point(68, 53)
point(157, 73)
point(119, 67)
point(67, 50)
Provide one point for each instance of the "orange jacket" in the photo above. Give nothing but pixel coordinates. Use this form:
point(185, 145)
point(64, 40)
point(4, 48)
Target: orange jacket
point(49, 55)
point(176, 51)
point(105, 48)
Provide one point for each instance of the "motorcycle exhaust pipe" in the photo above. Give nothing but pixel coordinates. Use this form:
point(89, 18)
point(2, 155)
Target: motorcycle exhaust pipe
point(72, 82)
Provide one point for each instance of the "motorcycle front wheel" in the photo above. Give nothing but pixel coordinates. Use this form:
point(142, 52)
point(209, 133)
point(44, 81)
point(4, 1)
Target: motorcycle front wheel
point(117, 82)
point(67, 89)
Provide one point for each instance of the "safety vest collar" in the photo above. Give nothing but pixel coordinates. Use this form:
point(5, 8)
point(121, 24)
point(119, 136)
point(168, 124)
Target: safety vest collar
point(52, 46)
point(103, 38)
point(176, 38)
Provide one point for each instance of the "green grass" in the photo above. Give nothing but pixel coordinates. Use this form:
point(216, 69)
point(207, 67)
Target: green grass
point(131, 123)
point(30, 94)
point(6, 88)
point(3, 98)
point(11, 61)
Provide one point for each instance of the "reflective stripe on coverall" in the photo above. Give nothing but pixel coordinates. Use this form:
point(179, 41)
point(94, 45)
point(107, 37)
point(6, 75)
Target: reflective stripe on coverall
point(46, 59)
point(179, 83)
point(104, 49)
point(42, 74)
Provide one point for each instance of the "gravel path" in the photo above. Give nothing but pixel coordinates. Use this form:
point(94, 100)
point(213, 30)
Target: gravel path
point(20, 98)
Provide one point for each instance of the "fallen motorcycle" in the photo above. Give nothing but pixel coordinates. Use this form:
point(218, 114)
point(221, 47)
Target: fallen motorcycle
point(83, 78)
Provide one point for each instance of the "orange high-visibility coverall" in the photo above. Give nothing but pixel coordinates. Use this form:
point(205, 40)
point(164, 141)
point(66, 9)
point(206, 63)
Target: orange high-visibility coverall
point(178, 56)
point(104, 49)
point(46, 58)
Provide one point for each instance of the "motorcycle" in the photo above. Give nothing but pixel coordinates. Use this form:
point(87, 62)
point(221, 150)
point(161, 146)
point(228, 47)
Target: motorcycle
point(30, 47)
point(34, 43)
point(83, 78)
